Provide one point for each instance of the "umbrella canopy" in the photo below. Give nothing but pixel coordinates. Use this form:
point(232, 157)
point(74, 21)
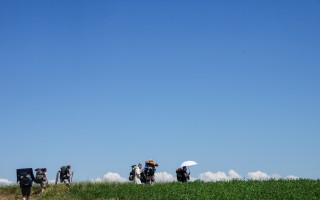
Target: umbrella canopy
point(188, 163)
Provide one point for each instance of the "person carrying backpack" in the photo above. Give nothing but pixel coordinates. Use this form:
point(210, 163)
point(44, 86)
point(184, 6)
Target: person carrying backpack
point(137, 173)
point(65, 175)
point(41, 178)
point(132, 173)
point(182, 174)
point(179, 174)
point(149, 171)
point(25, 178)
point(143, 177)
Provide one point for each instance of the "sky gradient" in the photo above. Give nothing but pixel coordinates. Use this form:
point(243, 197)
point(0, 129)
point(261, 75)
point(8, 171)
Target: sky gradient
point(101, 85)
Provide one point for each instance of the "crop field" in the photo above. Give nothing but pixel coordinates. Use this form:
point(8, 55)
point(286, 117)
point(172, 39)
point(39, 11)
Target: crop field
point(236, 189)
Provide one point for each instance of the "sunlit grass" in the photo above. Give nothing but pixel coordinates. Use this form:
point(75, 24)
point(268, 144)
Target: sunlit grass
point(235, 189)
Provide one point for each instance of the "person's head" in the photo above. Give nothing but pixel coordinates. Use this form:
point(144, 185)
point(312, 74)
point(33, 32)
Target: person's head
point(132, 166)
point(69, 166)
point(184, 167)
point(140, 165)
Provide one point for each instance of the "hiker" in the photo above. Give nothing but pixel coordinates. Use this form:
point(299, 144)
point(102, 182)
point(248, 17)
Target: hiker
point(132, 173)
point(41, 178)
point(65, 175)
point(143, 177)
point(137, 174)
point(25, 178)
point(182, 174)
point(149, 171)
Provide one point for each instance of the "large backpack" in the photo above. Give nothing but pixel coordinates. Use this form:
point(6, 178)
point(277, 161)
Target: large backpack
point(179, 173)
point(25, 179)
point(40, 176)
point(151, 163)
point(25, 176)
point(64, 172)
point(143, 178)
point(149, 170)
point(132, 174)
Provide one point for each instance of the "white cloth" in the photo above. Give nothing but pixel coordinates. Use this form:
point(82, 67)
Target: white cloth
point(137, 172)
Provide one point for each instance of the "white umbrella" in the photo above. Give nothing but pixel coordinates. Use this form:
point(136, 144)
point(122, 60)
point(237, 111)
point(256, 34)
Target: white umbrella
point(188, 163)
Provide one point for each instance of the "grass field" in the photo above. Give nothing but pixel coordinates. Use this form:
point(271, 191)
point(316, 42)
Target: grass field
point(236, 189)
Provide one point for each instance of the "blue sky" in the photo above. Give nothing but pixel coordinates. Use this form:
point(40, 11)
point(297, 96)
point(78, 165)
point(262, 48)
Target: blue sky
point(105, 84)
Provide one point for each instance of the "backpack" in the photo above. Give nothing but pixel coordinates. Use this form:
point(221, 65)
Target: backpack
point(40, 177)
point(64, 172)
point(25, 179)
point(132, 174)
point(143, 177)
point(25, 176)
point(149, 171)
point(152, 163)
point(179, 174)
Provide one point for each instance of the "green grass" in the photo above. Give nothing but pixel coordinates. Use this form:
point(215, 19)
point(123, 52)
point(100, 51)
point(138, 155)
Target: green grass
point(237, 189)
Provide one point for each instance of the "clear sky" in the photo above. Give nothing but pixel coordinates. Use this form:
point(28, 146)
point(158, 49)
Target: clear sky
point(106, 84)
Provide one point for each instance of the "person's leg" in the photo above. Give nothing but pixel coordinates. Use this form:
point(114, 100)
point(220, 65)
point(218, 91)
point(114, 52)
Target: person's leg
point(42, 187)
point(149, 179)
point(26, 191)
point(137, 180)
point(67, 182)
point(23, 197)
point(152, 180)
point(29, 193)
point(23, 192)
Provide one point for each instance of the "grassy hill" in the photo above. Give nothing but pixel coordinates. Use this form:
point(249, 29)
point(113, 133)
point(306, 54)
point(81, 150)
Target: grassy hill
point(236, 189)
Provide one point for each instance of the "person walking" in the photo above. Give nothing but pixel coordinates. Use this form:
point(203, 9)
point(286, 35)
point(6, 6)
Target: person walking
point(185, 174)
point(149, 171)
point(137, 174)
point(66, 175)
point(182, 174)
point(25, 178)
point(41, 178)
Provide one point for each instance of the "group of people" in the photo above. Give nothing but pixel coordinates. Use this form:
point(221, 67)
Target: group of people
point(147, 174)
point(25, 178)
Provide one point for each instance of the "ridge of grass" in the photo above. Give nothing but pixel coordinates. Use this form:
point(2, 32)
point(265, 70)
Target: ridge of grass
point(235, 189)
